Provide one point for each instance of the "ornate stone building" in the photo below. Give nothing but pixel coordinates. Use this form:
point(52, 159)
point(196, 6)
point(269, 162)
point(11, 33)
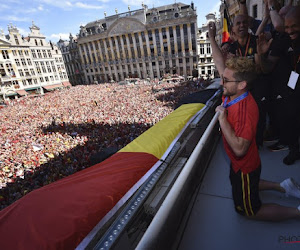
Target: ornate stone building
point(29, 65)
point(145, 43)
point(206, 66)
point(72, 61)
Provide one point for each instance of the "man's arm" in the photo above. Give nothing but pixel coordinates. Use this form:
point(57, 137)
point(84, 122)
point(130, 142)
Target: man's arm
point(265, 20)
point(243, 8)
point(276, 19)
point(238, 145)
point(216, 52)
point(244, 11)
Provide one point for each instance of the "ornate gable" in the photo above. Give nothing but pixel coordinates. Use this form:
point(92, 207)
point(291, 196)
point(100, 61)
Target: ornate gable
point(125, 26)
point(4, 42)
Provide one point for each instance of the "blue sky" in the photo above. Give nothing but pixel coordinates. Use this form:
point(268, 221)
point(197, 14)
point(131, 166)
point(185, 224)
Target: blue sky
point(57, 18)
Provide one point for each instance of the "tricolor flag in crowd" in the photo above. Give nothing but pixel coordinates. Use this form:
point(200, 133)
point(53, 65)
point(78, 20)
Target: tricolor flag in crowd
point(225, 33)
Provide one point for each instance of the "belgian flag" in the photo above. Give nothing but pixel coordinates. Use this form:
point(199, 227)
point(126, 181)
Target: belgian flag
point(60, 215)
point(225, 33)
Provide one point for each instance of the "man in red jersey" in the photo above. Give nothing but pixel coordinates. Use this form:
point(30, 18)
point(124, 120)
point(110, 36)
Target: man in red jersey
point(238, 117)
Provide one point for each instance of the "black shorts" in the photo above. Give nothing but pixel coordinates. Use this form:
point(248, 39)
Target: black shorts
point(245, 191)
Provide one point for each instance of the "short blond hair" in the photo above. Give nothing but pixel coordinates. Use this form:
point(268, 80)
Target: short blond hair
point(244, 69)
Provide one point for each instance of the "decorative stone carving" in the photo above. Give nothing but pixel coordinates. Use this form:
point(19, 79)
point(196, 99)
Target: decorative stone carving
point(125, 26)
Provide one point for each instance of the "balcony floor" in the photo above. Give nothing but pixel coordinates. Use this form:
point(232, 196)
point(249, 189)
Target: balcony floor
point(213, 224)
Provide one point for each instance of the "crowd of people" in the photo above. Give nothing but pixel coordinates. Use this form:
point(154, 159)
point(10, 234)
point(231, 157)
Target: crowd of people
point(48, 137)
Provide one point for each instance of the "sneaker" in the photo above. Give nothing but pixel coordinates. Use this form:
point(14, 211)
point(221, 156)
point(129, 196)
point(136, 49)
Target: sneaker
point(291, 158)
point(278, 147)
point(291, 187)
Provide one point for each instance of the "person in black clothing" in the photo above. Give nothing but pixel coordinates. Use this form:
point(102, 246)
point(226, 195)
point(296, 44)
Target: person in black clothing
point(284, 61)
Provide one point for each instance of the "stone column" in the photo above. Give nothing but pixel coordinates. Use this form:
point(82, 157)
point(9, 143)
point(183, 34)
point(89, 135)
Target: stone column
point(136, 56)
point(156, 55)
point(142, 55)
point(176, 49)
point(191, 54)
point(86, 66)
point(183, 50)
point(169, 48)
point(107, 63)
point(124, 59)
point(119, 57)
point(149, 55)
point(113, 58)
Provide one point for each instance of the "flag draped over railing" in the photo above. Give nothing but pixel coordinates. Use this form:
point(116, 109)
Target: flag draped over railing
point(61, 214)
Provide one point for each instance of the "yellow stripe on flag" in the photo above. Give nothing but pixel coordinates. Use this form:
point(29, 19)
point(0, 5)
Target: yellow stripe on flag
point(158, 138)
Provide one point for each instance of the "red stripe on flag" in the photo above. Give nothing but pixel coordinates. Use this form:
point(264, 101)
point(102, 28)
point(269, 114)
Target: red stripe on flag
point(61, 214)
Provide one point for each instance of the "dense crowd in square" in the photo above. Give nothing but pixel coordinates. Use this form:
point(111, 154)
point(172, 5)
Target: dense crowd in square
point(46, 138)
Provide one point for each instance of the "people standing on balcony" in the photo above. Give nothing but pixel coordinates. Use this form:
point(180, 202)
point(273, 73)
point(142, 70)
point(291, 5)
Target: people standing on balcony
point(281, 56)
point(238, 117)
point(273, 22)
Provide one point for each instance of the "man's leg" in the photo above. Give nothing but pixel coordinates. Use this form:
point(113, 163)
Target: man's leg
point(289, 186)
point(246, 189)
point(275, 212)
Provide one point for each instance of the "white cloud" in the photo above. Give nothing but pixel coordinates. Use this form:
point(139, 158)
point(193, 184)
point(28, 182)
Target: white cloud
point(11, 18)
point(59, 3)
point(56, 37)
point(41, 8)
point(140, 2)
point(4, 6)
point(23, 31)
point(68, 5)
point(86, 6)
point(14, 1)
point(216, 8)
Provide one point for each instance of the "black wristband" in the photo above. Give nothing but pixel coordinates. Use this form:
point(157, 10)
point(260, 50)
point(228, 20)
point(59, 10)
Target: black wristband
point(244, 2)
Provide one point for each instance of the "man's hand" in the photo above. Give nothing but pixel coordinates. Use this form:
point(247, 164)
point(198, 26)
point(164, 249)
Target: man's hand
point(222, 113)
point(263, 44)
point(211, 30)
point(271, 3)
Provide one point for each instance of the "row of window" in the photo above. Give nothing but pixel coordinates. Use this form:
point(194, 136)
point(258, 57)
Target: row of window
point(41, 53)
point(40, 67)
point(125, 44)
point(202, 50)
point(21, 53)
point(108, 76)
point(123, 67)
point(7, 70)
point(63, 76)
point(207, 70)
point(26, 72)
point(23, 62)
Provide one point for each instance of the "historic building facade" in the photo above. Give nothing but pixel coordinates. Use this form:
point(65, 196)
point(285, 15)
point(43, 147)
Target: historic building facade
point(70, 53)
point(29, 65)
point(206, 66)
point(145, 43)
